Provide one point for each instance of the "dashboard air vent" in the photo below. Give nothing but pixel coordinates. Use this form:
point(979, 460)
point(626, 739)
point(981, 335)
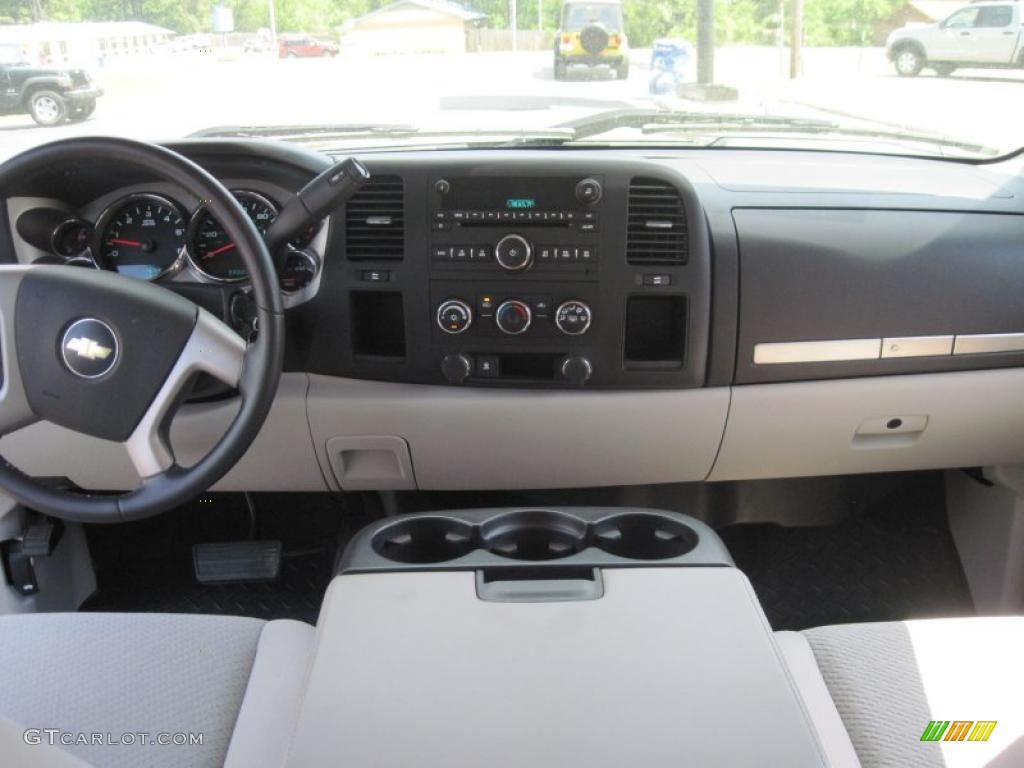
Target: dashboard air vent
point(375, 220)
point(656, 232)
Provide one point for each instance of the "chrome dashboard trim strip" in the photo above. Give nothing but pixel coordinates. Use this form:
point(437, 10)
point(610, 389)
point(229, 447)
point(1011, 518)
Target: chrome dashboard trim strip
point(982, 343)
point(917, 346)
point(776, 353)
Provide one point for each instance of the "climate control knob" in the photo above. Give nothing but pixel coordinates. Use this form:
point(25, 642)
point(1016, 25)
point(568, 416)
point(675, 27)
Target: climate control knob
point(513, 317)
point(513, 253)
point(576, 370)
point(573, 317)
point(454, 316)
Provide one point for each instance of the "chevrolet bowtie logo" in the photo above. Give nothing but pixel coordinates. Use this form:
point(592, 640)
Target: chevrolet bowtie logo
point(89, 349)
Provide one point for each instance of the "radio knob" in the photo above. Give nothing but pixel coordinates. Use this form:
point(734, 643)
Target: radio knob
point(573, 317)
point(454, 316)
point(456, 368)
point(589, 191)
point(576, 370)
point(513, 317)
point(513, 253)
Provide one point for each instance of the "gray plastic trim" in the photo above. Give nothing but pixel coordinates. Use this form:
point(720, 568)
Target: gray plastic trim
point(463, 439)
point(971, 418)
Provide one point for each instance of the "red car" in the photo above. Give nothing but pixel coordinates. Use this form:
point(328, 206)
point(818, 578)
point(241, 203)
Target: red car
point(305, 47)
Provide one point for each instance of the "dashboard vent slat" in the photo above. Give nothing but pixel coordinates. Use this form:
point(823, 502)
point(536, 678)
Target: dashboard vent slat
point(375, 221)
point(656, 227)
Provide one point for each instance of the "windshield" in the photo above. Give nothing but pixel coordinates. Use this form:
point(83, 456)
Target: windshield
point(579, 15)
point(938, 79)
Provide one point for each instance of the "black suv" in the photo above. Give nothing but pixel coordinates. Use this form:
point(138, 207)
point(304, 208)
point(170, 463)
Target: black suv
point(50, 95)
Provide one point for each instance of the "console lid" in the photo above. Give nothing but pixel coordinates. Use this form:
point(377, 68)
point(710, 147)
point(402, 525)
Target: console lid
point(669, 667)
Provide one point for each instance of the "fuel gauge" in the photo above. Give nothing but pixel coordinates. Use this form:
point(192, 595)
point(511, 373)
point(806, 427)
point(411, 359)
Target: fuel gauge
point(71, 238)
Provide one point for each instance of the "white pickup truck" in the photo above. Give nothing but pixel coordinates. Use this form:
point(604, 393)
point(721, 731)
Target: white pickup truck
point(982, 34)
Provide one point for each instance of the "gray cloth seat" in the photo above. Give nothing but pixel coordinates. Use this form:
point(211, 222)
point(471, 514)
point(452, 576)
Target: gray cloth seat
point(871, 690)
point(123, 675)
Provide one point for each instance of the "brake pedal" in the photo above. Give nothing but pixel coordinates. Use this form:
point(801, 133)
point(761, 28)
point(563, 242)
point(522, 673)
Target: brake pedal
point(233, 561)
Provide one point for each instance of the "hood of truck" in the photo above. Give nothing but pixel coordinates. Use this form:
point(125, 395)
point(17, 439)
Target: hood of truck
point(912, 30)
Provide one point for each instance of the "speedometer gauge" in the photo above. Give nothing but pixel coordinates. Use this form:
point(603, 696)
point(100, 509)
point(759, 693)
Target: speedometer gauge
point(212, 251)
point(141, 236)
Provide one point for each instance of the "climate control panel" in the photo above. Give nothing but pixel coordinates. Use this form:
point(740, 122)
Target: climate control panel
point(534, 330)
point(515, 316)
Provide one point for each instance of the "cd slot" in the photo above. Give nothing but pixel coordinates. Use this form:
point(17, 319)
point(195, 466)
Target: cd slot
point(524, 224)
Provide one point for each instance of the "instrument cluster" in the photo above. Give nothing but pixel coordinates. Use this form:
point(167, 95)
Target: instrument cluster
point(150, 236)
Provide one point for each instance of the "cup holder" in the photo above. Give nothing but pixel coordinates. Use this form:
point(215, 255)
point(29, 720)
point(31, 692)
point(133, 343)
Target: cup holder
point(422, 540)
point(534, 534)
point(643, 536)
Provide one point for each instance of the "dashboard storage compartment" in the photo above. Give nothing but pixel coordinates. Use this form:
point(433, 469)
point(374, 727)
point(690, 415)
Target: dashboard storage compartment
point(655, 331)
point(533, 542)
point(378, 324)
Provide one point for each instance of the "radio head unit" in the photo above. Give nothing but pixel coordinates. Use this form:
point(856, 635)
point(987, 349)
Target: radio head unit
point(514, 225)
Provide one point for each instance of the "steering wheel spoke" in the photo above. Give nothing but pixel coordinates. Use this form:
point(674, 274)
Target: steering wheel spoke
point(15, 411)
point(212, 348)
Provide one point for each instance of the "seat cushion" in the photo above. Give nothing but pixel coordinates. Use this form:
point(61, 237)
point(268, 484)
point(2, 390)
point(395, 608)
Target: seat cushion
point(890, 680)
point(117, 674)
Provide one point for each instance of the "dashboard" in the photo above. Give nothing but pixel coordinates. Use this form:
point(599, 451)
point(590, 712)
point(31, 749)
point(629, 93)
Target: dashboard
point(531, 319)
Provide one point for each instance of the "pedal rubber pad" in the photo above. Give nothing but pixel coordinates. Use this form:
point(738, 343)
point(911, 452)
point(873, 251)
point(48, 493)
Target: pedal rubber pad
point(233, 561)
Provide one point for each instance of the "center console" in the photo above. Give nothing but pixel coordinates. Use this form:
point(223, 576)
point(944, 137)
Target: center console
point(546, 637)
point(512, 274)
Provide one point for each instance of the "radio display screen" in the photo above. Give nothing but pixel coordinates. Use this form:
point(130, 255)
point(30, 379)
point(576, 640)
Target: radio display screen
point(544, 193)
point(521, 203)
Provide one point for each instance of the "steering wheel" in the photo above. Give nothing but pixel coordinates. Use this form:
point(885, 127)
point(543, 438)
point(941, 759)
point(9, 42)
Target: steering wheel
point(109, 356)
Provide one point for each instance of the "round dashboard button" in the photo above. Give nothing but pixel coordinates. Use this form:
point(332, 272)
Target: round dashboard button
point(513, 317)
point(589, 191)
point(454, 316)
point(573, 317)
point(513, 253)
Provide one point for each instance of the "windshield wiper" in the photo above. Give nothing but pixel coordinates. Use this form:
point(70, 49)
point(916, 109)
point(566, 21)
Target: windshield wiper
point(325, 134)
point(655, 122)
point(645, 119)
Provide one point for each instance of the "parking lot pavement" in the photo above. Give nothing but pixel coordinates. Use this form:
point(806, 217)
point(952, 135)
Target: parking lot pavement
point(170, 96)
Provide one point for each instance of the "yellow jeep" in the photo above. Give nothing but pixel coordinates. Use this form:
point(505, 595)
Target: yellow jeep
point(591, 33)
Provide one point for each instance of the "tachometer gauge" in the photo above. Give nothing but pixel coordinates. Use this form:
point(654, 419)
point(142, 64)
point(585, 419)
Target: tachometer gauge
point(141, 236)
point(212, 251)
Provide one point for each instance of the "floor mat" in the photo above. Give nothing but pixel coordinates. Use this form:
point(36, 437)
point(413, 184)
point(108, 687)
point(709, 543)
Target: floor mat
point(147, 565)
point(893, 561)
